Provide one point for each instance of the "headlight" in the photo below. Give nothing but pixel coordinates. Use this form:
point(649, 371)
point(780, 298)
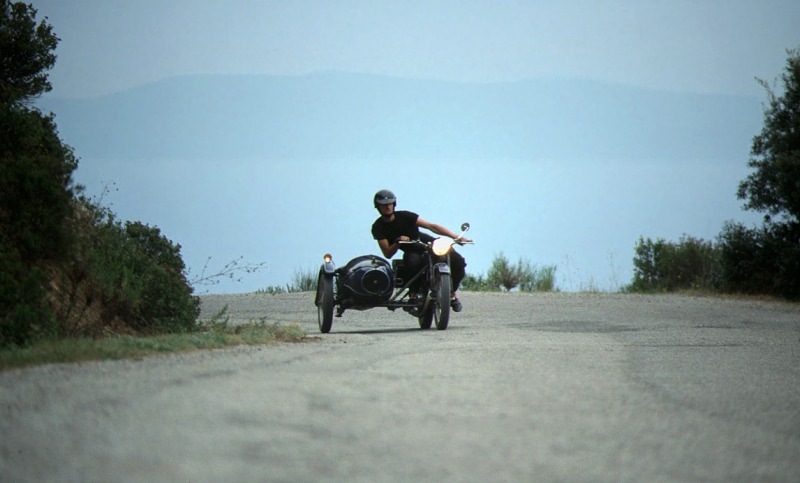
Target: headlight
point(441, 246)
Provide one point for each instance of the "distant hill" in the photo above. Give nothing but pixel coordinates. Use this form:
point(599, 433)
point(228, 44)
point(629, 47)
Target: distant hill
point(345, 116)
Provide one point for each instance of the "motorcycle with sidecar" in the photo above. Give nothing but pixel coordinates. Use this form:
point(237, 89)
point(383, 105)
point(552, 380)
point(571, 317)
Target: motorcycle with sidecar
point(369, 281)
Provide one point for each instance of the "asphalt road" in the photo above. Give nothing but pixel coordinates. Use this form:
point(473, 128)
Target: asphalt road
point(543, 387)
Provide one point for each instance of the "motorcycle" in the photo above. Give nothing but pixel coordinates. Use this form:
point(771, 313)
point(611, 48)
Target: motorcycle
point(369, 281)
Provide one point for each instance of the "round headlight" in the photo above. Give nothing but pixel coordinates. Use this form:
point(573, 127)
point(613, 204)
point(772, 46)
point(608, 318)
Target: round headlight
point(441, 246)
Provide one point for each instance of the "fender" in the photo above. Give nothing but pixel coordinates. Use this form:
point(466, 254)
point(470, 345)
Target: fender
point(442, 268)
point(328, 268)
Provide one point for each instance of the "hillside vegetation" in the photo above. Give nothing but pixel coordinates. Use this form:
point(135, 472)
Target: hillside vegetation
point(68, 267)
point(751, 260)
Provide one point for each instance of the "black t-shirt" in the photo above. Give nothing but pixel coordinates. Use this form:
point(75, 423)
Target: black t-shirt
point(404, 224)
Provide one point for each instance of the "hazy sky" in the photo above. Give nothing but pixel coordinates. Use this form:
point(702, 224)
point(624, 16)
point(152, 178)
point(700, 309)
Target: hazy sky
point(222, 210)
point(692, 45)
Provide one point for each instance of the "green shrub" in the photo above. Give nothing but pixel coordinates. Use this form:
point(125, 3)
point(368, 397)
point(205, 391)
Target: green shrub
point(271, 290)
point(502, 273)
point(767, 260)
point(139, 274)
point(525, 275)
point(690, 263)
point(762, 260)
point(67, 267)
point(533, 279)
point(476, 283)
point(25, 315)
point(303, 281)
point(35, 179)
point(35, 220)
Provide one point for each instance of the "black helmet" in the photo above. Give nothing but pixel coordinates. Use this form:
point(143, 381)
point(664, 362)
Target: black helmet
point(384, 197)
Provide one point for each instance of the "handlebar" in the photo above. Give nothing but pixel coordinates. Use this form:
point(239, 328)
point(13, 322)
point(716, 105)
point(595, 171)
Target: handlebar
point(412, 242)
point(456, 241)
point(425, 244)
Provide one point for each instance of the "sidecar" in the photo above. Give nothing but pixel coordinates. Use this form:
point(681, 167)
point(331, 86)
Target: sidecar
point(365, 282)
point(369, 281)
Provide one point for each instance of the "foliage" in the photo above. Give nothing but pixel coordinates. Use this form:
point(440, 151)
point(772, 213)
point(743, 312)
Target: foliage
point(502, 274)
point(35, 179)
point(24, 313)
point(690, 263)
point(774, 187)
point(137, 272)
point(67, 266)
point(762, 260)
point(35, 184)
point(271, 290)
point(303, 281)
point(767, 260)
point(28, 52)
point(533, 279)
point(476, 283)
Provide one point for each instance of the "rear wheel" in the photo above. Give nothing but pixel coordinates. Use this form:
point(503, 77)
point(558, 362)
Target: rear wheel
point(441, 301)
point(325, 303)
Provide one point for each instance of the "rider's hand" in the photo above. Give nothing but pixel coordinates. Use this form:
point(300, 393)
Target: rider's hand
point(402, 238)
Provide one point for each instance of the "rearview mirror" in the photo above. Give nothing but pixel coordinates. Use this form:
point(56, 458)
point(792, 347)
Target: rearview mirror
point(464, 226)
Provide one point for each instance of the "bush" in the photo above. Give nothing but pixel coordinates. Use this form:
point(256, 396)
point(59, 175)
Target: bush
point(767, 260)
point(534, 279)
point(66, 266)
point(524, 275)
point(762, 260)
point(24, 313)
point(477, 283)
point(35, 220)
point(303, 281)
point(502, 273)
point(139, 275)
point(690, 263)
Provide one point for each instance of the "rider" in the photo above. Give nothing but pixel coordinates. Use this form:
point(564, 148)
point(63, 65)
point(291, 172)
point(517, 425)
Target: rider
point(395, 226)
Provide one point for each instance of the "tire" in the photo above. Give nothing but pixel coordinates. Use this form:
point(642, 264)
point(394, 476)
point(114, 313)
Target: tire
point(325, 303)
point(426, 318)
point(441, 305)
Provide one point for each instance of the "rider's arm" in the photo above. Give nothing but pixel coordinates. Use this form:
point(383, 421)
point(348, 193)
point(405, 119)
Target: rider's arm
point(388, 249)
point(438, 229)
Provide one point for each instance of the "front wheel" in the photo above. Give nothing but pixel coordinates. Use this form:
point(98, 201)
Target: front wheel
point(325, 303)
point(441, 309)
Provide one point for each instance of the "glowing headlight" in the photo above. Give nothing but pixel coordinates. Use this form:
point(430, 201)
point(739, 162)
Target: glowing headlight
point(328, 258)
point(441, 246)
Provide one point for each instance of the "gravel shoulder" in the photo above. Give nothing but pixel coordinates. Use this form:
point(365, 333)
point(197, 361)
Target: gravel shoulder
point(601, 387)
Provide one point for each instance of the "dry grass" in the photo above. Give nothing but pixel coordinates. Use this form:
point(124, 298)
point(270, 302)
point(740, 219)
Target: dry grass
point(212, 336)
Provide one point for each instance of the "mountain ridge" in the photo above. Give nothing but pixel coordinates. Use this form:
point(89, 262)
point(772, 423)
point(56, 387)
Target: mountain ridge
point(344, 116)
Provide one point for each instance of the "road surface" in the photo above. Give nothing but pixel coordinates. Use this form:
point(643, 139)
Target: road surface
point(520, 387)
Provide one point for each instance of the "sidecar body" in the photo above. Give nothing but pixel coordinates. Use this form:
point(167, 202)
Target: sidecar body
point(365, 282)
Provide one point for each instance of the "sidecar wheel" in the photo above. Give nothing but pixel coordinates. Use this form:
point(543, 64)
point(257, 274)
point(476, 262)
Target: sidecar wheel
point(441, 309)
point(426, 318)
point(325, 303)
